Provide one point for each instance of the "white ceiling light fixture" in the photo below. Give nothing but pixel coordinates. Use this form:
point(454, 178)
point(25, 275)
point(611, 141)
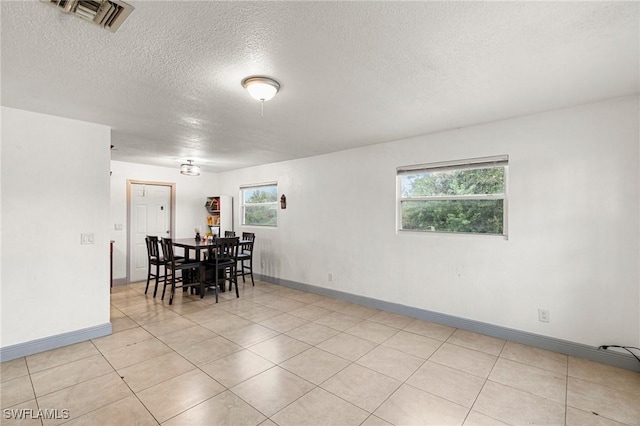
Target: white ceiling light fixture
point(189, 169)
point(261, 89)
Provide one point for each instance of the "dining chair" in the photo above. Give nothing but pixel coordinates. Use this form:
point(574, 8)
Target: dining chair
point(187, 270)
point(229, 234)
point(154, 262)
point(245, 254)
point(220, 265)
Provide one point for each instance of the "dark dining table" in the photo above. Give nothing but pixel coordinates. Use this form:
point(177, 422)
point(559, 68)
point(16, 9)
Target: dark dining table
point(188, 244)
point(197, 246)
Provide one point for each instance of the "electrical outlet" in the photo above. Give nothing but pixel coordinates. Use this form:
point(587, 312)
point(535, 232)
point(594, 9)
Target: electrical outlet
point(330, 276)
point(87, 238)
point(543, 315)
point(117, 227)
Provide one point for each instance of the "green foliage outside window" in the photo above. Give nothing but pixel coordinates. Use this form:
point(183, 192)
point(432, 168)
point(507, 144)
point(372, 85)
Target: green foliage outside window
point(260, 206)
point(459, 200)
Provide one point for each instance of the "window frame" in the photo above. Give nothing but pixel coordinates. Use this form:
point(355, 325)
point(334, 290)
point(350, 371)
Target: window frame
point(243, 204)
point(466, 164)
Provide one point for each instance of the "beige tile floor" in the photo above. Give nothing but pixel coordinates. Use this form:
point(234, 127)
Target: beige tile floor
point(286, 357)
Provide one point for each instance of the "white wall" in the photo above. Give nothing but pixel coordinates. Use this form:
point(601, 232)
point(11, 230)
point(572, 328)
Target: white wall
point(191, 195)
point(574, 213)
point(55, 186)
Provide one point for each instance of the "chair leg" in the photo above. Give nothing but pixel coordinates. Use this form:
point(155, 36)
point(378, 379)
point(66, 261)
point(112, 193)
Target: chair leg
point(148, 277)
point(242, 269)
point(155, 289)
point(251, 269)
point(215, 287)
point(201, 274)
point(234, 279)
point(164, 285)
point(173, 288)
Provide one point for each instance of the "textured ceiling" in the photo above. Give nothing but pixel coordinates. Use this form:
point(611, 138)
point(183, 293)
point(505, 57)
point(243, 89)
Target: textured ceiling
point(352, 73)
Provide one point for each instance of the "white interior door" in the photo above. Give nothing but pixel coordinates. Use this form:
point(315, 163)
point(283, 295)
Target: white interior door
point(150, 215)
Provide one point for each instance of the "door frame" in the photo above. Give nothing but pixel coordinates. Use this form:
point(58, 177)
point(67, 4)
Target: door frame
point(172, 212)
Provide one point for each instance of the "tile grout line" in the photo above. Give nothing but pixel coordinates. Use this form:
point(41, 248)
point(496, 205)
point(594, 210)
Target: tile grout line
point(377, 345)
point(264, 296)
point(33, 389)
point(486, 379)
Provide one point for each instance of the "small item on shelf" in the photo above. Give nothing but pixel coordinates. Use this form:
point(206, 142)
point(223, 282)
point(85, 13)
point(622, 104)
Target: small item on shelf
point(209, 220)
point(197, 230)
point(213, 204)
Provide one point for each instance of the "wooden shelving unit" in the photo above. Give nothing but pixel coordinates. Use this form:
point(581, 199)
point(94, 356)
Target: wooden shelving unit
point(220, 218)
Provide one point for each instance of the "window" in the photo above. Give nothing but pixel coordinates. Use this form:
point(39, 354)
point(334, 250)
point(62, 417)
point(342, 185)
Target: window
point(463, 196)
point(259, 204)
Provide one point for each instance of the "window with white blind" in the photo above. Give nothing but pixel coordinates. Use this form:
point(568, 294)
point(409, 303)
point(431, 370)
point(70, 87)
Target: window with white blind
point(467, 196)
point(259, 204)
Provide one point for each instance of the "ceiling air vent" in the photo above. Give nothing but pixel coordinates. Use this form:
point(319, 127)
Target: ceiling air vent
point(109, 14)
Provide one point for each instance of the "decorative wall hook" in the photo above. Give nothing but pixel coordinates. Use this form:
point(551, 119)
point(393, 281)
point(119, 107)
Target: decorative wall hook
point(283, 202)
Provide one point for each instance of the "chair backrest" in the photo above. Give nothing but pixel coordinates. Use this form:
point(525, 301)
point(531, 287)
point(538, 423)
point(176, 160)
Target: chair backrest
point(247, 247)
point(224, 249)
point(152, 246)
point(167, 250)
point(228, 234)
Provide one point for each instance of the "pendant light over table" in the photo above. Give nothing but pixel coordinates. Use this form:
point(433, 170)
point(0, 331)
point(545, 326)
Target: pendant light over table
point(190, 169)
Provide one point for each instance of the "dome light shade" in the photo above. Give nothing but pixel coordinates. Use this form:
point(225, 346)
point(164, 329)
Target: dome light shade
point(261, 88)
point(190, 169)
